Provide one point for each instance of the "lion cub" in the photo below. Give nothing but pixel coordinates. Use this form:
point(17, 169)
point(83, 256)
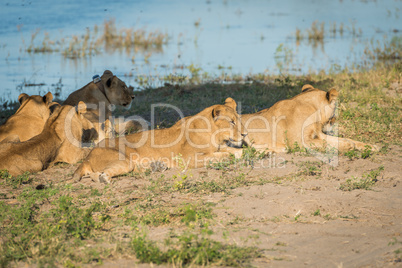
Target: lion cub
point(300, 119)
point(60, 141)
point(192, 141)
point(29, 119)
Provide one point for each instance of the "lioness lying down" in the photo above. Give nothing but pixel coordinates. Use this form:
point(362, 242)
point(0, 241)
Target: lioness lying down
point(300, 119)
point(60, 141)
point(193, 141)
point(99, 98)
point(29, 119)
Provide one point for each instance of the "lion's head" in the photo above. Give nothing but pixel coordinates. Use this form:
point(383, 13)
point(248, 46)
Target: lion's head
point(69, 123)
point(36, 104)
point(215, 126)
point(230, 129)
point(326, 105)
point(116, 90)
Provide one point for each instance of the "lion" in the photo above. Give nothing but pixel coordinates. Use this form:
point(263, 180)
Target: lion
point(29, 119)
point(300, 120)
point(193, 141)
point(60, 141)
point(100, 98)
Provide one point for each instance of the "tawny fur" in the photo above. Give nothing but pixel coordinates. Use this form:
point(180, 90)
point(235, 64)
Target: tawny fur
point(193, 142)
point(60, 141)
point(29, 119)
point(300, 119)
point(99, 99)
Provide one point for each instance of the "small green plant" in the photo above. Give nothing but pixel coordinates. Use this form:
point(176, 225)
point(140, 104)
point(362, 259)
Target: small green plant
point(365, 183)
point(224, 164)
point(281, 244)
point(179, 181)
point(317, 213)
point(194, 214)
point(295, 148)
point(310, 168)
point(351, 154)
point(181, 177)
point(366, 153)
point(250, 155)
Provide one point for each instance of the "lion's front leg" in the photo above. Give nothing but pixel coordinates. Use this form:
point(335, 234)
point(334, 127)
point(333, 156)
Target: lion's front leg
point(103, 164)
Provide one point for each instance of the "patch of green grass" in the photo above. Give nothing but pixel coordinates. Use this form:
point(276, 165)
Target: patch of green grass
point(224, 164)
point(223, 184)
point(352, 154)
point(310, 168)
point(194, 213)
point(249, 156)
point(296, 148)
point(157, 215)
point(32, 234)
point(14, 182)
point(191, 249)
point(95, 192)
point(365, 183)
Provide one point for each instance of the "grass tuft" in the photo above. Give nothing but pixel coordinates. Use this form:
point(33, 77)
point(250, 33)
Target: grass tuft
point(365, 183)
point(191, 249)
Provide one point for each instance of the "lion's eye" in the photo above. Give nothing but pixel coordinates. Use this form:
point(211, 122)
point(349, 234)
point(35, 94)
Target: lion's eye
point(233, 122)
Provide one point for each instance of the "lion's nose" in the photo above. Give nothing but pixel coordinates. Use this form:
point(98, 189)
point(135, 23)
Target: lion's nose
point(132, 97)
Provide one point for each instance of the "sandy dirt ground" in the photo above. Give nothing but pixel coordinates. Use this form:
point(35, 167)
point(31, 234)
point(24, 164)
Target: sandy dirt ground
point(298, 217)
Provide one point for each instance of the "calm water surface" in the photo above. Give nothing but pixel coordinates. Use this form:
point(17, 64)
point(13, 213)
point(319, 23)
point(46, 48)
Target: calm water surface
point(232, 36)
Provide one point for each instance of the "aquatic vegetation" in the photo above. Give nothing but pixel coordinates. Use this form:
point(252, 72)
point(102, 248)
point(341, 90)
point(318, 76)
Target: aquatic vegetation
point(316, 34)
point(107, 37)
point(391, 51)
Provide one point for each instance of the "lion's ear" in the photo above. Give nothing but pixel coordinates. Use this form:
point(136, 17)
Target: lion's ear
point(107, 73)
point(332, 95)
point(107, 77)
point(231, 103)
point(215, 113)
point(53, 107)
point(109, 82)
point(307, 87)
point(48, 98)
point(22, 97)
point(81, 108)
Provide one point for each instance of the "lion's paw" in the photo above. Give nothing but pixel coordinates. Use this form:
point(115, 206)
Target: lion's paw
point(104, 178)
point(158, 166)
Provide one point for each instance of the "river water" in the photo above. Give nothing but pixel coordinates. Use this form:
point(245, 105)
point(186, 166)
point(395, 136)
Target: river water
point(225, 36)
